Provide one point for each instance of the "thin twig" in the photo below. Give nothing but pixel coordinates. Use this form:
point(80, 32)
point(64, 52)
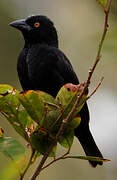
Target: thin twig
point(108, 6)
point(91, 71)
point(57, 159)
point(4, 114)
point(106, 11)
point(94, 91)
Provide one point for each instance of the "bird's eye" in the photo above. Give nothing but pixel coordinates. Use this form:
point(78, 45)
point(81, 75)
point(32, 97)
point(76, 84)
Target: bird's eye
point(36, 24)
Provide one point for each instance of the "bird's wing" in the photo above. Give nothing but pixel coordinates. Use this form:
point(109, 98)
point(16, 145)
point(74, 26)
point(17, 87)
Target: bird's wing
point(65, 68)
point(49, 68)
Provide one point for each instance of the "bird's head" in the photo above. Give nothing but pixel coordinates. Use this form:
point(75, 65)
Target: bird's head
point(37, 29)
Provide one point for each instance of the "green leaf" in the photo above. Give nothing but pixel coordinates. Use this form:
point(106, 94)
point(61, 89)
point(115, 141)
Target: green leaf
point(74, 123)
point(103, 2)
point(34, 105)
point(89, 158)
point(11, 148)
point(21, 122)
point(4, 88)
point(20, 130)
point(41, 142)
point(67, 97)
point(47, 98)
point(41, 106)
point(51, 116)
point(24, 119)
point(66, 140)
point(9, 106)
point(52, 110)
point(9, 102)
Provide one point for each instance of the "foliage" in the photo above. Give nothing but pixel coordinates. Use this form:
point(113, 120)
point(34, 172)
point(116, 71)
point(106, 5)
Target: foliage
point(37, 116)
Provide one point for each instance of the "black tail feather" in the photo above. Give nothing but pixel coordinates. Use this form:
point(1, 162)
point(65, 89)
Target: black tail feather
point(86, 140)
point(82, 132)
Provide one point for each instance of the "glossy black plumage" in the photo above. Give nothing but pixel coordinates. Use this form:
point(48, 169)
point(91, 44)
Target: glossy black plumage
point(42, 66)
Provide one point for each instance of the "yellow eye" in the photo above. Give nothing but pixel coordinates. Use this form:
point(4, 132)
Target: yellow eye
point(36, 24)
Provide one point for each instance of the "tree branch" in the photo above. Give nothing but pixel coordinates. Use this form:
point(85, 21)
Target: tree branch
point(57, 159)
point(94, 91)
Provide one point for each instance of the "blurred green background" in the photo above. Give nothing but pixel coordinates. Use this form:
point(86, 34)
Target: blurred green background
point(79, 24)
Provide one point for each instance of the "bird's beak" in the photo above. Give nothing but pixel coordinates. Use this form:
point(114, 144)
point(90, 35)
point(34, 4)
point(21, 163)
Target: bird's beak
point(20, 24)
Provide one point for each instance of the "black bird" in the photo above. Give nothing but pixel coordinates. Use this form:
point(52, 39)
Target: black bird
point(43, 66)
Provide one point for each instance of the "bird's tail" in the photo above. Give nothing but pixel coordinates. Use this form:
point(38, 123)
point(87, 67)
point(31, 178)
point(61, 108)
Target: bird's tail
point(86, 140)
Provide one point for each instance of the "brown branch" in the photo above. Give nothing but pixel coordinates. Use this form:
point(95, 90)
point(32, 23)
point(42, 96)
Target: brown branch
point(108, 6)
point(57, 159)
point(4, 114)
point(106, 11)
point(91, 71)
point(94, 91)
